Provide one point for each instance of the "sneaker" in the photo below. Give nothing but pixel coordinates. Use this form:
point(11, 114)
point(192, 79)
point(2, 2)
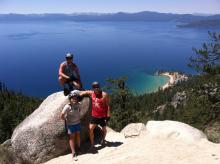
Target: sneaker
point(75, 157)
point(66, 91)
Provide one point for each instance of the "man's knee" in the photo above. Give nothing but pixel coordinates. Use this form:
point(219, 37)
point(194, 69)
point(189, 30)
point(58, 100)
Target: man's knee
point(92, 127)
point(61, 80)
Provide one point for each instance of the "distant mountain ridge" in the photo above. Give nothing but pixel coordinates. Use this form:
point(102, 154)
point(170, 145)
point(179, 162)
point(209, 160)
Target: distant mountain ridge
point(202, 24)
point(120, 16)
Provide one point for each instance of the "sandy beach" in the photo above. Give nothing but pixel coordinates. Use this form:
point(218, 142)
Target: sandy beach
point(171, 80)
point(174, 77)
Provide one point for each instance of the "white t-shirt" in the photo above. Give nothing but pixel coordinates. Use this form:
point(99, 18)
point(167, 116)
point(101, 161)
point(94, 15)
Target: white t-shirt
point(72, 113)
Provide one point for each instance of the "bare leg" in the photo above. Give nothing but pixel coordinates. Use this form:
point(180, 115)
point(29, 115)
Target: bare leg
point(91, 133)
point(78, 139)
point(62, 81)
point(72, 142)
point(104, 131)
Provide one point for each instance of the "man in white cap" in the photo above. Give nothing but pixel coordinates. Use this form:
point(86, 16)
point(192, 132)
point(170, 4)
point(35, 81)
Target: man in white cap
point(69, 74)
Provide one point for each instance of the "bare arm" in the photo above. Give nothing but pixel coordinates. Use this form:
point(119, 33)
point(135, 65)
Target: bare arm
point(62, 116)
point(88, 92)
point(63, 113)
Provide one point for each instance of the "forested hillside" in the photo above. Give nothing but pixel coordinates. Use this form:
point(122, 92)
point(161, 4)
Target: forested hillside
point(14, 108)
point(195, 102)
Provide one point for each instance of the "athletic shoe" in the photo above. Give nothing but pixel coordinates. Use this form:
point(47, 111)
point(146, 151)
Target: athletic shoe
point(66, 91)
point(75, 157)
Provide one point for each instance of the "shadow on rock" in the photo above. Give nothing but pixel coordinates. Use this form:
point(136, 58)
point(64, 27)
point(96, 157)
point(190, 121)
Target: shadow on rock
point(109, 144)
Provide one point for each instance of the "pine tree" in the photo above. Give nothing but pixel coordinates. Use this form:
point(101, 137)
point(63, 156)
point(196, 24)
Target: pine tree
point(207, 59)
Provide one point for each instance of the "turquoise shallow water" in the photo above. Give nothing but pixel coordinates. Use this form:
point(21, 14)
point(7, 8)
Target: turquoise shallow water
point(141, 82)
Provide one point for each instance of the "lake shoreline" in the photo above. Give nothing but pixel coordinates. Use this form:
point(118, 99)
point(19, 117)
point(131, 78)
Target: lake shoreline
point(174, 78)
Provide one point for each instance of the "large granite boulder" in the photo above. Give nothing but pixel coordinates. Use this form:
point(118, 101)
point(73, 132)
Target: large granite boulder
point(41, 136)
point(174, 130)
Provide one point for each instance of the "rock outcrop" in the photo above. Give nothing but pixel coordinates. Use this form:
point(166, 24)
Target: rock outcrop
point(133, 130)
point(175, 130)
point(178, 99)
point(213, 131)
point(41, 135)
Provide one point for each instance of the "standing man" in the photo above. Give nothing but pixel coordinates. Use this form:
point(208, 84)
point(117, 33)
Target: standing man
point(69, 74)
point(100, 111)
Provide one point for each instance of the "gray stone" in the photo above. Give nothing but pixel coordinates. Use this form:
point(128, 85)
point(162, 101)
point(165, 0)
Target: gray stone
point(213, 131)
point(160, 109)
point(178, 98)
point(7, 143)
point(174, 130)
point(41, 135)
point(8, 157)
point(133, 130)
point(215, 90)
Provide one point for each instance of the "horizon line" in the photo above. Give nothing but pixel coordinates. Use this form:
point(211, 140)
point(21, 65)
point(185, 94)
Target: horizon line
point(195, 13)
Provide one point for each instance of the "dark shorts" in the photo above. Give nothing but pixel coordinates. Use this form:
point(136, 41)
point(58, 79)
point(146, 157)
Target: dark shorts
point(73, 128)
point(98, 121)
point(72, 78)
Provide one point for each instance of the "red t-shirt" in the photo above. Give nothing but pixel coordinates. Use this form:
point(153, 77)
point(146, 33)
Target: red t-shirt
point(99, 106)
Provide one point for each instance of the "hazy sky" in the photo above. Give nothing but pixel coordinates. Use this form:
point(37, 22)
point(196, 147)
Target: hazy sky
point(106, 6)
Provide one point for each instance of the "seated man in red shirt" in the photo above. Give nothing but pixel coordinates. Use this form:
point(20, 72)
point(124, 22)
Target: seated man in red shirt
point(100, 110)
point(69, 74)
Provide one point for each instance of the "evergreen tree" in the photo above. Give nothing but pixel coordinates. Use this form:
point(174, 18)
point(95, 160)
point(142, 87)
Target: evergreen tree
point(207, 59)
point(14, 108)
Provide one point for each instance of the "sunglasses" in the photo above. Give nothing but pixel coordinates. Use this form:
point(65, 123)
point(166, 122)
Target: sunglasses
point(95, 87)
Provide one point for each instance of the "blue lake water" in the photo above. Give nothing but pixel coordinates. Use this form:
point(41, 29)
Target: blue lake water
point(30, 52)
